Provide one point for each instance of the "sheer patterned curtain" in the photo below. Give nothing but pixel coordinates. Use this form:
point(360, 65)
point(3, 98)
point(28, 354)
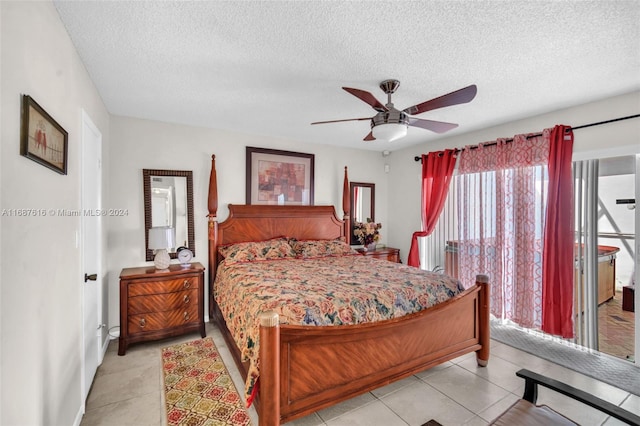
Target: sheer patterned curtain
point(502, 198)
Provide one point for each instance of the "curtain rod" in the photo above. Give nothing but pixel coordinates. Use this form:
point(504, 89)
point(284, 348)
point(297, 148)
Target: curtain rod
point(613, 120)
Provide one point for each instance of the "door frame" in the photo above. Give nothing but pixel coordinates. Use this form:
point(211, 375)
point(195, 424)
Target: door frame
point(621, 151)
point(636, 354)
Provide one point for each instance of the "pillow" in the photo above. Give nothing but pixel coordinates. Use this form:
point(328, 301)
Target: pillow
point(277, 248)
point(321, 248)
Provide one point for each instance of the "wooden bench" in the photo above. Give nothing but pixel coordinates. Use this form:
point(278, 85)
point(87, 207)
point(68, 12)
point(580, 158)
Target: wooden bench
point(524, 412)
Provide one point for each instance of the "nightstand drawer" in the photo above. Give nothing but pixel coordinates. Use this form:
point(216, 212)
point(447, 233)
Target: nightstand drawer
point(161, 320)
point(155, 287)
point(162, 302)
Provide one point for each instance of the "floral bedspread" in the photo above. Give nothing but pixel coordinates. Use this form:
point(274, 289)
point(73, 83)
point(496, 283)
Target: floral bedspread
point(320, 291)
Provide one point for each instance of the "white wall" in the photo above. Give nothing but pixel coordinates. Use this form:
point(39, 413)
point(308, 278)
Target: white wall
point(610, 140)
point(618, 218)
point(40, 276)
point(138, 144)
point(1, 239)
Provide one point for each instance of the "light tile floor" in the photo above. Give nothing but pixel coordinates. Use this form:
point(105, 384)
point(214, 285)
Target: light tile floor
point(127, 390)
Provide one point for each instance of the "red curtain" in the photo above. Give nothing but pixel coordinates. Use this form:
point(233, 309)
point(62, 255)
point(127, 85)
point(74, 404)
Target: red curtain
point(437, 170)
point(559, 240)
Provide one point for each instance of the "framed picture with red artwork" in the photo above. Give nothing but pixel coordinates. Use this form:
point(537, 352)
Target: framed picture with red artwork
point(42, 139)
point(279, 177)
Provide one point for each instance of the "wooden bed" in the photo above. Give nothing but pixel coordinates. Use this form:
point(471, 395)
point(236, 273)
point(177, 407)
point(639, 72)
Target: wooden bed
point(306, 368)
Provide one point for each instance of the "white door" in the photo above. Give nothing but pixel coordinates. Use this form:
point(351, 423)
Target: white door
point(91, 250)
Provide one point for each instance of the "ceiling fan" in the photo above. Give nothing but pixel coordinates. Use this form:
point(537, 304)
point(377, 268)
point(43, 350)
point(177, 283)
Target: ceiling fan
point(390, 123)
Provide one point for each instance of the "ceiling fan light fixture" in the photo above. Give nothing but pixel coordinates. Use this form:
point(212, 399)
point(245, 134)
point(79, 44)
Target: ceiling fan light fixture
point(389, 131)
point(390, 123)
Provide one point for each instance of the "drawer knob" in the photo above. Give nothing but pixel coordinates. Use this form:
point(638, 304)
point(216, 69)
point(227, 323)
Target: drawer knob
point(143, 322)
point(186, 316)
point(186, 299)
point(186, 284)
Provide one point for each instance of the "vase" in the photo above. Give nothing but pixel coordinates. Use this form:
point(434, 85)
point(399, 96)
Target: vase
point(370, 247)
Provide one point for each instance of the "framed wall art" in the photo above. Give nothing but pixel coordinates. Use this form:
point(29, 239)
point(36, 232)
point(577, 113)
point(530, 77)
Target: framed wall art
point(42, 139)
point(279, 177)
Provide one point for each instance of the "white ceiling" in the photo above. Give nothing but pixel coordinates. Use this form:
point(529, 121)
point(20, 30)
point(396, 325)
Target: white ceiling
point(273, 67)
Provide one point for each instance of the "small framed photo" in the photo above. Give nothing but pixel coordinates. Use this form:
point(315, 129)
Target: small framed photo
point(42, 139)
point(279, 177)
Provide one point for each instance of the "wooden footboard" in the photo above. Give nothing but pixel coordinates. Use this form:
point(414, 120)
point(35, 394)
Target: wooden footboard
point(304, 369)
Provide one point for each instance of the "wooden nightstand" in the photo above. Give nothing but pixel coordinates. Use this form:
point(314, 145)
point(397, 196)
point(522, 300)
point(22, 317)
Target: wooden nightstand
point(155, 305)
point(388, 253)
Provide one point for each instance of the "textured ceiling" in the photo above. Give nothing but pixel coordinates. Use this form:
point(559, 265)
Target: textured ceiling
point(272, 67)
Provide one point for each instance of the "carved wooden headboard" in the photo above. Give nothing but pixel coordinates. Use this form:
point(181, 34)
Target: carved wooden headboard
point(262, 222)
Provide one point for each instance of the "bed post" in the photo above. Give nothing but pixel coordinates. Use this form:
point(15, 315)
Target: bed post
point(482, 355)
point(346, 207)
point(213, 230)
point(269, 414)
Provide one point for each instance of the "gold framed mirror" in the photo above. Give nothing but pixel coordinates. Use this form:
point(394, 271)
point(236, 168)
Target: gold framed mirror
point(168, 201)
point(363, 196)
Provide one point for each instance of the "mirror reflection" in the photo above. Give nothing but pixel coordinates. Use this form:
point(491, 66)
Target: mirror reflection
point(169, 204)
point(168, 200)
point(362, 204)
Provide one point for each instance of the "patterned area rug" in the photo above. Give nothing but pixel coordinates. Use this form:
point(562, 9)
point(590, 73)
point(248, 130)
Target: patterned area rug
point(198, 388)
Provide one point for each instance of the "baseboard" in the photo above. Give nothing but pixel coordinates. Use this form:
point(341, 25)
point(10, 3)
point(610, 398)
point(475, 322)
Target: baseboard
point(105, 346)
point(78, 418)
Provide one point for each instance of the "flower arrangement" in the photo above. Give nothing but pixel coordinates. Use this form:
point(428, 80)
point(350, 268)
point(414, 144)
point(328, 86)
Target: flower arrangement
point(367, 232)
